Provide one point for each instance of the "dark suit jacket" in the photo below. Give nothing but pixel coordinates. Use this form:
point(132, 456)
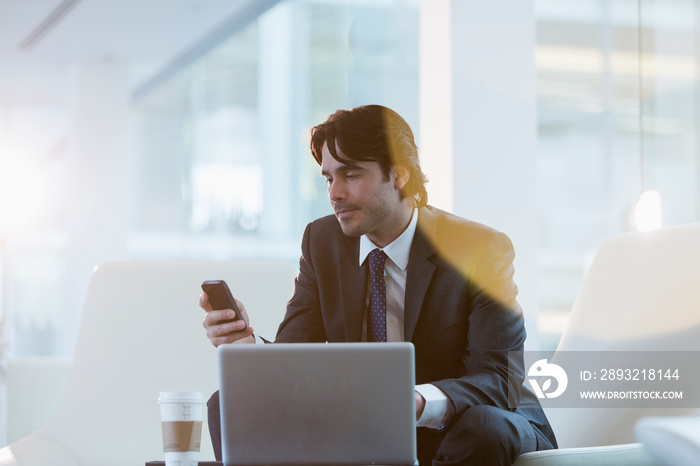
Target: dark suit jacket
point(460, 310)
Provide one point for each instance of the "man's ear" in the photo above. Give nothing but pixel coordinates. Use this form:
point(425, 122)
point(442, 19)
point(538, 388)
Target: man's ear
point(401, 176)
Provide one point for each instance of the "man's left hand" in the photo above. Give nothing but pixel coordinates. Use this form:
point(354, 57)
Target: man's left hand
point(420, 405)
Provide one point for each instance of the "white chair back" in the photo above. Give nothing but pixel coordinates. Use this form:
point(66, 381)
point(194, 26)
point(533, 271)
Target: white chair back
point(141, 333)
point(642, 293)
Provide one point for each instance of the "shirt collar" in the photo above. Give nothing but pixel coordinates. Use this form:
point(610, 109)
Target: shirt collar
point(398, 250)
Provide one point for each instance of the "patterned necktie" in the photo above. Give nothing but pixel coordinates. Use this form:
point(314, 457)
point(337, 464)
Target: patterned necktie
point(376, 324)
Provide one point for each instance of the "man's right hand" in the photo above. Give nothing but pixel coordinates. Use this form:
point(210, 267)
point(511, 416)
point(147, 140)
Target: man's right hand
point(219, 331)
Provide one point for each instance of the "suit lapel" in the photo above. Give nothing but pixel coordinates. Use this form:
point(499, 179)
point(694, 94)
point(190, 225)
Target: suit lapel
point(420, 270)
point(353, 289)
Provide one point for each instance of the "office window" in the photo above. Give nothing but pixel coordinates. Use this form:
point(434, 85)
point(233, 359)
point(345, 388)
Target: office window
point(223, 166)
point(211, 162)
point(596, 155)
point(34, 177)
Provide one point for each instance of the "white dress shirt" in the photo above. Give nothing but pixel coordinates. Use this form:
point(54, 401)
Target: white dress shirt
point(395, 270)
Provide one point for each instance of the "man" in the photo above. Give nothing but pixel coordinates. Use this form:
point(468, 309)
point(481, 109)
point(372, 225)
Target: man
point(388, 267)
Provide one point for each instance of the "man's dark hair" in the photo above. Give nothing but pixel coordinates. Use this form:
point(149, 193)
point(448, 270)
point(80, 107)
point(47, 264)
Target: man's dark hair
point(373, 133)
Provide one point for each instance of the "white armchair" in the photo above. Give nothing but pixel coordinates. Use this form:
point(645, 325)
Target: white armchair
point(642, 292)
point(141, 333)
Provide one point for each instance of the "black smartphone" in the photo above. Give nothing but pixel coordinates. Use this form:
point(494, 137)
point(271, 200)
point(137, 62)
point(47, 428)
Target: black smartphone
point(220, 297)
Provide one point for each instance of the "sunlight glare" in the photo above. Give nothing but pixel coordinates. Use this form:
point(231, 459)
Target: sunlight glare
point(647, 213)
point(21, 194)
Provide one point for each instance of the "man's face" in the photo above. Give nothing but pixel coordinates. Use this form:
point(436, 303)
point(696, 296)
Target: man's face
point(364, 202)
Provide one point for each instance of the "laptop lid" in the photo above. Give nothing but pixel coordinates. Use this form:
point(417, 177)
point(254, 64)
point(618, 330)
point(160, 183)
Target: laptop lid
point(317, 403)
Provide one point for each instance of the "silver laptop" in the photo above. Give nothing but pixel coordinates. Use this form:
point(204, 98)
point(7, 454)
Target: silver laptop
point(317, 404)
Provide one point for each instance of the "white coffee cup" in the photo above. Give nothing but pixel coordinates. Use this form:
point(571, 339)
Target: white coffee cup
point(181, 421)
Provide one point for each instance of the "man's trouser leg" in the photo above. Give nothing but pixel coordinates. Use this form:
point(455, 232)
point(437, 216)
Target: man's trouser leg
point(486, 435)
point(214, 418)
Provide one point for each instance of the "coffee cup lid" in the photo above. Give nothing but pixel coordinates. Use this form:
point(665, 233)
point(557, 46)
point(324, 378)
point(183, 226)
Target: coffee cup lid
point(181, 397)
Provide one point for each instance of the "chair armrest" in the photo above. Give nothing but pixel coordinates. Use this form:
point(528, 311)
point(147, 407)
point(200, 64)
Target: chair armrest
point(612, 455)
